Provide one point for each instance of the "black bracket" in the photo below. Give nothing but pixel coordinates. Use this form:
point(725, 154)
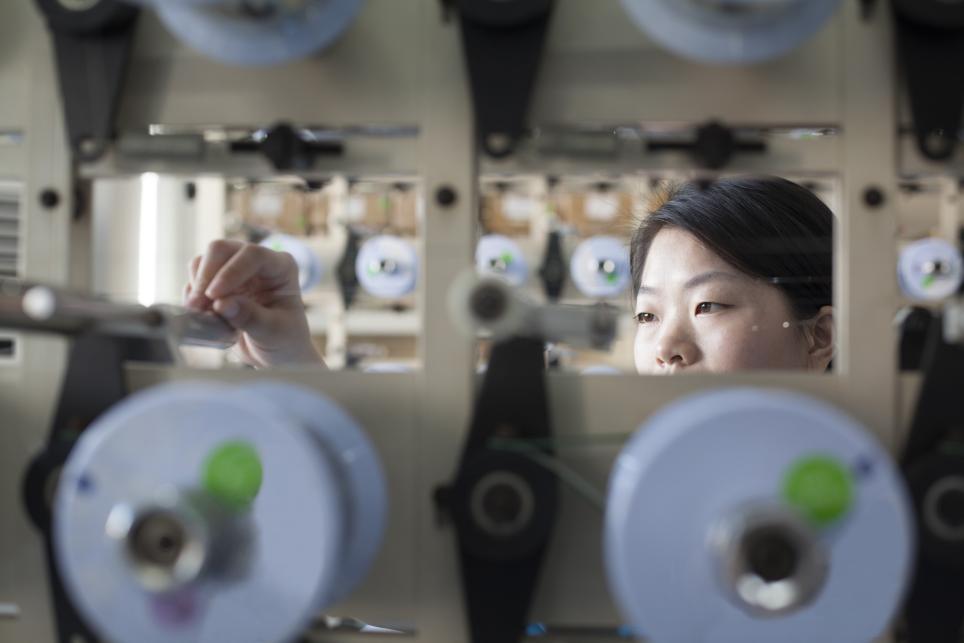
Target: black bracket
point(930, 44)
point(713, 147)
point(289, 148)
point(347, 277)
point(94, 381)
point(93, 47)
point(503, 43)
point(553, 268)
point(503, 503)
point(915, 324)
point(933, 463)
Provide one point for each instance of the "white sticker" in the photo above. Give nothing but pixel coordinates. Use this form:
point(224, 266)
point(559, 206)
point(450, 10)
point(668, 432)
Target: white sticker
point(355, 208)
point(517, 208)
point(267, 204)
point(601, 206)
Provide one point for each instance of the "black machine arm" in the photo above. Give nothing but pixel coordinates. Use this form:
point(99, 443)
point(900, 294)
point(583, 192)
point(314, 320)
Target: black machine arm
point(933, 463)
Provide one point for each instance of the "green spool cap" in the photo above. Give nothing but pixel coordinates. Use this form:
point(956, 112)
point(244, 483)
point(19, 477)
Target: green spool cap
point(233, 473)
point(820, 487)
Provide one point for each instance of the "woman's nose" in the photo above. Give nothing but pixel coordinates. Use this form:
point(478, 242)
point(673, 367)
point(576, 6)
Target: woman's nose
point(675, 347)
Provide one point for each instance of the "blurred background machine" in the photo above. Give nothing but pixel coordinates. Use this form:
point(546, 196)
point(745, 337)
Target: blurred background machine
point(446, 478)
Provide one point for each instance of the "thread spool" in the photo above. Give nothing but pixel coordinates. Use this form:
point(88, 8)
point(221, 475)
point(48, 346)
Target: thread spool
point(600, 267)
point(257, 33)
point(387, 267)
point(730, 32)
point(756, 516)
point(930, 269)
point(499, 256)
point(202, 512)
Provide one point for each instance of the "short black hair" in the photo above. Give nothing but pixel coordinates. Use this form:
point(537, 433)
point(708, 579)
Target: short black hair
point(765, 226)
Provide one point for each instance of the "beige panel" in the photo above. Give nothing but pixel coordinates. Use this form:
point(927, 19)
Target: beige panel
point(600, 68)
point(171, 84)
point(20, 26)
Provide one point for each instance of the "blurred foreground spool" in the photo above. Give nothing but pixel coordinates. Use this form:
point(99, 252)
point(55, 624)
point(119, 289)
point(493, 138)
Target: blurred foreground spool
point(256, 32)
point(730, 31)
point(209, 513)
point(756, 516)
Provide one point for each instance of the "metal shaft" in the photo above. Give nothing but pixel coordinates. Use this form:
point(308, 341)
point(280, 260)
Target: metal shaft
point(35, 307)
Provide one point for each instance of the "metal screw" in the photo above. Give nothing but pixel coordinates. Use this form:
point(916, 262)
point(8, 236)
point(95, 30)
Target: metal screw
point(874, 197)
point(49, 198)
point(498, 143)
point(938, 143)
point(90, 147)
point(446, 196)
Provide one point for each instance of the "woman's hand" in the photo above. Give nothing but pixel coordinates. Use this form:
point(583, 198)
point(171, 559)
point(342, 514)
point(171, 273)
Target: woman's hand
point(256, 290)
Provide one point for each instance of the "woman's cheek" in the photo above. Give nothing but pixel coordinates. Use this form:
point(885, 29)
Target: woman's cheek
point(643, 348)
point(733, 344)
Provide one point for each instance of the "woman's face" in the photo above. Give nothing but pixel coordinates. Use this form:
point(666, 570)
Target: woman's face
point(695, 312)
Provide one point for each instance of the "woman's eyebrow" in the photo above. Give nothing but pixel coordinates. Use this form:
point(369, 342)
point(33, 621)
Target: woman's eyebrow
point(698, 280)
point(712, 275)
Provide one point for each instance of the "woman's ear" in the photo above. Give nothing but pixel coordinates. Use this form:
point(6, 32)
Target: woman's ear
point(821, 339)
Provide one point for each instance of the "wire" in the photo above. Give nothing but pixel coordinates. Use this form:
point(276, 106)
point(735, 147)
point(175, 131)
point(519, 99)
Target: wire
point(561, 470)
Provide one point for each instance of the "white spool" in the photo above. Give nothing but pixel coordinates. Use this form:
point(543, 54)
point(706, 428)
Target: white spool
point(307, 538)
point(730, 32)
point(697, 465)
point(387, 367)
point(600, 369)
point(499, 256)
point(600, 267)
point(387, 267)
point(310, 269)
point(930, 269)
point(224, 31)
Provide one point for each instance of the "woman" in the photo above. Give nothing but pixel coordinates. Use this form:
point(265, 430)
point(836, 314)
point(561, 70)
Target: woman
point(734, 274)
point(729, 275)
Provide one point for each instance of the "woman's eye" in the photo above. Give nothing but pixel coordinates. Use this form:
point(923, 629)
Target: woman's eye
point(708, 308)
point(645, 318)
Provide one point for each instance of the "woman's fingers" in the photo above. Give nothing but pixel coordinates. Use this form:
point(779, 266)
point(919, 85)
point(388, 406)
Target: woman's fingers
point(192, 268)
point(255, 261)
point(246, 315)
point(186, 297)
point(218, 253)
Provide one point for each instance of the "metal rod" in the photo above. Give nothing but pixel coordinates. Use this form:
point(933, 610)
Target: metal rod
point(36, 307)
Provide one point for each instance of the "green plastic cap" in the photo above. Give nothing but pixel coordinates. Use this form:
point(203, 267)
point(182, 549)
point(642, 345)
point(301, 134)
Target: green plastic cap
point(232, 474)
point(820, 487)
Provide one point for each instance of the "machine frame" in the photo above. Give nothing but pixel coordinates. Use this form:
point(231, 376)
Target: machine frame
point(402, 63)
